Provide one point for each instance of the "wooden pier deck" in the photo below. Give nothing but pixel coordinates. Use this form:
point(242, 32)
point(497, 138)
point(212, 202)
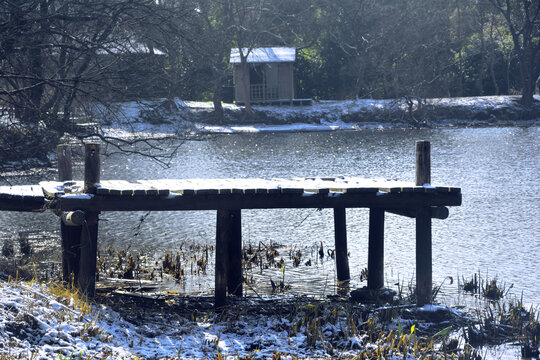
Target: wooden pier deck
point(213, 194)
point(80, 202)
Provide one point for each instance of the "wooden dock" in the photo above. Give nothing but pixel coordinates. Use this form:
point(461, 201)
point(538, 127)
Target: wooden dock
point(80, 202)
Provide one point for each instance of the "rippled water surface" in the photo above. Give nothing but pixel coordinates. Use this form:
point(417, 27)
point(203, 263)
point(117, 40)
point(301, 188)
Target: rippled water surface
point(495, 231)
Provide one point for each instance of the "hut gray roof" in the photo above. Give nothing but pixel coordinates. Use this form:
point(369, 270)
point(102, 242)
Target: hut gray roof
point(265, 55)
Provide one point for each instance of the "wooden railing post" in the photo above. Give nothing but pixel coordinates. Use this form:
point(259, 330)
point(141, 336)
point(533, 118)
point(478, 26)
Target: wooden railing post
point(71, 235)
point(342, 259)
point(89, 233)
point(376, 249)
point(423, 228)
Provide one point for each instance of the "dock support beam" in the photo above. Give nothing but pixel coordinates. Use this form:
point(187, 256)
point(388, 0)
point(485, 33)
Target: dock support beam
point(423, 228)
point(89, 233)
point(376, 249)
point(71, 235)
point(228, 276)
point(342, 259)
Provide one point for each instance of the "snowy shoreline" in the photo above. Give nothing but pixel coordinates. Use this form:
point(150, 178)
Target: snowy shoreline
point(161, 118)
point(43, 321)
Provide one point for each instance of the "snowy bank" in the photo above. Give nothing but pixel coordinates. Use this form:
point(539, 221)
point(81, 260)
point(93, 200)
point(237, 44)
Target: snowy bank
point(161, 118)
point(44, 321)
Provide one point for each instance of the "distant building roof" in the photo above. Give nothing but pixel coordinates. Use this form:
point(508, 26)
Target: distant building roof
point(265, 55)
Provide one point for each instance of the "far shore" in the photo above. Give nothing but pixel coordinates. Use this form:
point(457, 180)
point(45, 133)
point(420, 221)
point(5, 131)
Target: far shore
point(162, 117)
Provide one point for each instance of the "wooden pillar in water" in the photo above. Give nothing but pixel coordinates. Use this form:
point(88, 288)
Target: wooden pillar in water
point(376, 249)
point(342, 259)
point(423, 228)
point(234, 270)
point(228, 276)
point(89, 233)
point(71, 235)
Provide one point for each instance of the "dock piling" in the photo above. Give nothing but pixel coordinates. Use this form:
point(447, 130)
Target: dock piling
point(340, 231)
point(234, 244)
point(70, 235)
point(89, 233)
point(423, 228)
point(221, 260)
point(376, 249)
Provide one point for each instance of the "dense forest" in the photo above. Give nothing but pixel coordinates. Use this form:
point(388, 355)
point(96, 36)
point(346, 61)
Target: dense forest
point(61, 57)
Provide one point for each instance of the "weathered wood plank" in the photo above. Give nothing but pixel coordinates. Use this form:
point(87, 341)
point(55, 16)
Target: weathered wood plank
point(125, 188)
point(257, 201)
point(244, 186)
point(26, 198)
point(437, 212)
point(161, 190)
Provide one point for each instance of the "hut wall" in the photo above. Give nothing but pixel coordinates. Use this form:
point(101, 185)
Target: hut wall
point(238, 93)
point(285, 79)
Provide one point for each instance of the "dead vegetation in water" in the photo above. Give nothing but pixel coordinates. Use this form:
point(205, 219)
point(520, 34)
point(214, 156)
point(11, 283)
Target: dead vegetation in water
point(490, 289)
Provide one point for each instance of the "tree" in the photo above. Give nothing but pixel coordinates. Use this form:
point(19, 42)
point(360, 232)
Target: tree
point(56, 58)
point(523, 22)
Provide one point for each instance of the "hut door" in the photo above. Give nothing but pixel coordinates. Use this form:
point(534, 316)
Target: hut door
point(271, 81)
point(256, 82)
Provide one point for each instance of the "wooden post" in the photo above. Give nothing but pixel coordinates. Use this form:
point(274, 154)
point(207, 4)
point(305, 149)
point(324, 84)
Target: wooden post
point(376, 249)
point(89, 233)
point(423, 163)
point(70, 235)
point(423, 228)
point(65, 172)
point(342, 259)
point(92, 165)
point(222, 258)
point(228, 255)
point(234, 244)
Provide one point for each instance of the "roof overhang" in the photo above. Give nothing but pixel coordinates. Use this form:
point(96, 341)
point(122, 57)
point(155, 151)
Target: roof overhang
point(264, 55)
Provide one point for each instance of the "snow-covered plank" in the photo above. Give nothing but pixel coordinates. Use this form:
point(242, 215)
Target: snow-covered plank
point(252, 186)
point(161, 189)
point(335, 184)
point(52, 189)
point(125, 188)
point(188, 186)
point(21, 191)
point(73, 187)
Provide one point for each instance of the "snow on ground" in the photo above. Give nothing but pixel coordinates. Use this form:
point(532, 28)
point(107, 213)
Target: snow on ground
point(161, 118)
point(37, 324)
point(44, 321)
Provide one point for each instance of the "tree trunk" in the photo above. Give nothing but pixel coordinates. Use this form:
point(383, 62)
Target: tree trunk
point(217, 98)
point(492, 59)
point(526, 69)
point(248, 110)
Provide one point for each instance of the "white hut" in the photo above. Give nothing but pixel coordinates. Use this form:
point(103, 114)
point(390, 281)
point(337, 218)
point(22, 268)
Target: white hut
point(269, 75)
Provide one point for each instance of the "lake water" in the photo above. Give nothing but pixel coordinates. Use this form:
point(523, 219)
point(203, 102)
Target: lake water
point(495, 232)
